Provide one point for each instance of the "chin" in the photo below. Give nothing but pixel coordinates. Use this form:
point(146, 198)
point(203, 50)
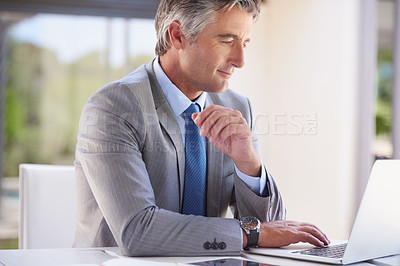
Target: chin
point(225, 88)
point(219, 89)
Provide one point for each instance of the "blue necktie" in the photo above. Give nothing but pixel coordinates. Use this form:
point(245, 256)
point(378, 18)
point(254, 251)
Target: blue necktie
point(194, 195)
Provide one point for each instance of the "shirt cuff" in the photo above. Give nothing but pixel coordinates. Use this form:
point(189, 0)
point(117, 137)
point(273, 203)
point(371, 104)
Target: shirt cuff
point(255, 184)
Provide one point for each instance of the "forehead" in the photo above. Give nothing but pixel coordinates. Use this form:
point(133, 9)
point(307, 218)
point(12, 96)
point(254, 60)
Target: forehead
point(234, 21)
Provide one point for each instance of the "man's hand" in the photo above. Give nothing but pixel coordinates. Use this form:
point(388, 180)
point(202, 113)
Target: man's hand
point(229, 132)
point(283, 233)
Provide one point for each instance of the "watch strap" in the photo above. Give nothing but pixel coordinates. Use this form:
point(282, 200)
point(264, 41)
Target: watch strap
point(252, 239)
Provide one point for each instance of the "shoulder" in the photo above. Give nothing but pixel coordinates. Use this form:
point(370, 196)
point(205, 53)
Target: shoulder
point(122, 95)
point(118, 90)
point(119, 110)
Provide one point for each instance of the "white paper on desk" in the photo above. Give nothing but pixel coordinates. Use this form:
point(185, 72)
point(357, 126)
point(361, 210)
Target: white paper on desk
point(79, 264)
point(133, 261)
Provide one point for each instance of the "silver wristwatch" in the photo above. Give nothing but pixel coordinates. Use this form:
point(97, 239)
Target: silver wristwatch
point(251, 226)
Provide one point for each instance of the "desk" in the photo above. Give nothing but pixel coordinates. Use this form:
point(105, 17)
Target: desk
point(36, 257)
point(96, 256)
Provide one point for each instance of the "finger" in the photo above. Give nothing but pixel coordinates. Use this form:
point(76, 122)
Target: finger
point(194, 115)
point(313, 230)
point(216, 120)
point(309, 238)
point(325, 236)
point(223, 128)
point(310, 228)
point(202, 116)
point(318, 231)
point(238, 130)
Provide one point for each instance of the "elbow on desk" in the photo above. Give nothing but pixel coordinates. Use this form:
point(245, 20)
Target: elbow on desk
point(134, 237)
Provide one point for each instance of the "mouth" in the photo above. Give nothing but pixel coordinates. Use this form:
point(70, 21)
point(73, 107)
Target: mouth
point(226, 74)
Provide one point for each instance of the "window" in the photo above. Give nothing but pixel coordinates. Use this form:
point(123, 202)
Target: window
point(383, 146)
point(55, 63)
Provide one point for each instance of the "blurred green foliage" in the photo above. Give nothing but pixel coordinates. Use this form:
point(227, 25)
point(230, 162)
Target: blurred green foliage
point(384, 93)
point(8, 243)
point(44, 99)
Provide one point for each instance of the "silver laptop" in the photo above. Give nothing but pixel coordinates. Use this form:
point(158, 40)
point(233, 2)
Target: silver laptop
point(376, 230)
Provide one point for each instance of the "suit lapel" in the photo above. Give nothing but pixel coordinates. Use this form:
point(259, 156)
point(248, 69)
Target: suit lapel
point(169, 123)
point(214, 175)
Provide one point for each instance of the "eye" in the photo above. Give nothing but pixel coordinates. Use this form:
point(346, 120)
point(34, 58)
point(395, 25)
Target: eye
point(228, 42)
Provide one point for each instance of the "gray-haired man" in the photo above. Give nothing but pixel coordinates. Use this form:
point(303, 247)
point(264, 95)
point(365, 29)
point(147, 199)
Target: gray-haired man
point(136, 169)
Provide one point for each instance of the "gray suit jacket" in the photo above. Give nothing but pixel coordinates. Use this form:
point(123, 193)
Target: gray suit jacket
point(130, 164)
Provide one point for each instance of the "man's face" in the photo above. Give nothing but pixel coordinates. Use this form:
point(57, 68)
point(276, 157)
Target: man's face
point(209, 62)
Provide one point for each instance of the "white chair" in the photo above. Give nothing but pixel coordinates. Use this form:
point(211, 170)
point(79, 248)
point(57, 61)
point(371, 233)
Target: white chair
point(47, 206)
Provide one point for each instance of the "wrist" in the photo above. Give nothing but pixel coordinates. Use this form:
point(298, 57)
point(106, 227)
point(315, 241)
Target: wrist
point(251, 227)
point(252, 168)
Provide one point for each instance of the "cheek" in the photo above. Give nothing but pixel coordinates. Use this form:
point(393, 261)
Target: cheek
point(204, 61)
point(202, 64)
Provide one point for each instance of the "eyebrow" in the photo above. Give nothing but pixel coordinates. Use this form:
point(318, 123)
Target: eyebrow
point(233, 36)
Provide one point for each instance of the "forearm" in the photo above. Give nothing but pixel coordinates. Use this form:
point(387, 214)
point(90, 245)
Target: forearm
point(173, 234)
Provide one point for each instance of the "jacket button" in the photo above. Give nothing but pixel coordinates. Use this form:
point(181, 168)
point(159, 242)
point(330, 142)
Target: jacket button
point(214, 245)
point(207, 245)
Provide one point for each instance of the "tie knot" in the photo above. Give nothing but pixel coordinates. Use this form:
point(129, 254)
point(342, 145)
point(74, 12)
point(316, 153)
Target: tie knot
point(193, 108)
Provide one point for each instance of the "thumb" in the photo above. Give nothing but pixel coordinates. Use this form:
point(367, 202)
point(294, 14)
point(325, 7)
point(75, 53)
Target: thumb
point(194, 115)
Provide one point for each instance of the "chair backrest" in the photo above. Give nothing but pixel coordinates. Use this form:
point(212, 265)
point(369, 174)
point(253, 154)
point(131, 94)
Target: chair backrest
point(47, 206)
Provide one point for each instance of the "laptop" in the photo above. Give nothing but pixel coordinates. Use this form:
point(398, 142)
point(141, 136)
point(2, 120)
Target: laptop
point(376, 229)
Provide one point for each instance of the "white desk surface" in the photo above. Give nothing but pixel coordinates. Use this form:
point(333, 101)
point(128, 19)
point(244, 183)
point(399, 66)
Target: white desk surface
point(98, 256)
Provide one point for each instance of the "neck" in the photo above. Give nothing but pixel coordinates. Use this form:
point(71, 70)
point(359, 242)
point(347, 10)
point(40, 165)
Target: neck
point(172, 68)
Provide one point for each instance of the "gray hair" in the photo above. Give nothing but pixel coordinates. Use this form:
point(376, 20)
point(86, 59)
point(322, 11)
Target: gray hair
point(194, 16)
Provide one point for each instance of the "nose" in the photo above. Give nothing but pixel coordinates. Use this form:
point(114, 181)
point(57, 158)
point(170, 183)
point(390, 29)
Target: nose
point(237, 56)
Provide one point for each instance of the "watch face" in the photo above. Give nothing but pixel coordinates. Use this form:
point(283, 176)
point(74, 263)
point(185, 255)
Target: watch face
point(250, 223)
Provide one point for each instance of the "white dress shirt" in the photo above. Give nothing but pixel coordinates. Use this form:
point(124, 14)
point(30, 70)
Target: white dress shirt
point(179, 103)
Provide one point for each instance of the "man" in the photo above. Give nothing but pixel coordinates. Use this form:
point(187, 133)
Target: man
point(164, 151)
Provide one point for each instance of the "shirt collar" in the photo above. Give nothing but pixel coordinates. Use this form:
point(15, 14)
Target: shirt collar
point(176, 99)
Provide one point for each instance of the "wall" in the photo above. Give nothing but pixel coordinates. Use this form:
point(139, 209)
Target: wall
point(301, 76)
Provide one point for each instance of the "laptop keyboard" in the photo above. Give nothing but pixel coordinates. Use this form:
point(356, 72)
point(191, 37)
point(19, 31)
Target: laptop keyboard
point(336, 251)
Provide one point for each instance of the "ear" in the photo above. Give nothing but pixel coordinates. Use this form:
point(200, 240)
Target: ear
point(176, 36)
